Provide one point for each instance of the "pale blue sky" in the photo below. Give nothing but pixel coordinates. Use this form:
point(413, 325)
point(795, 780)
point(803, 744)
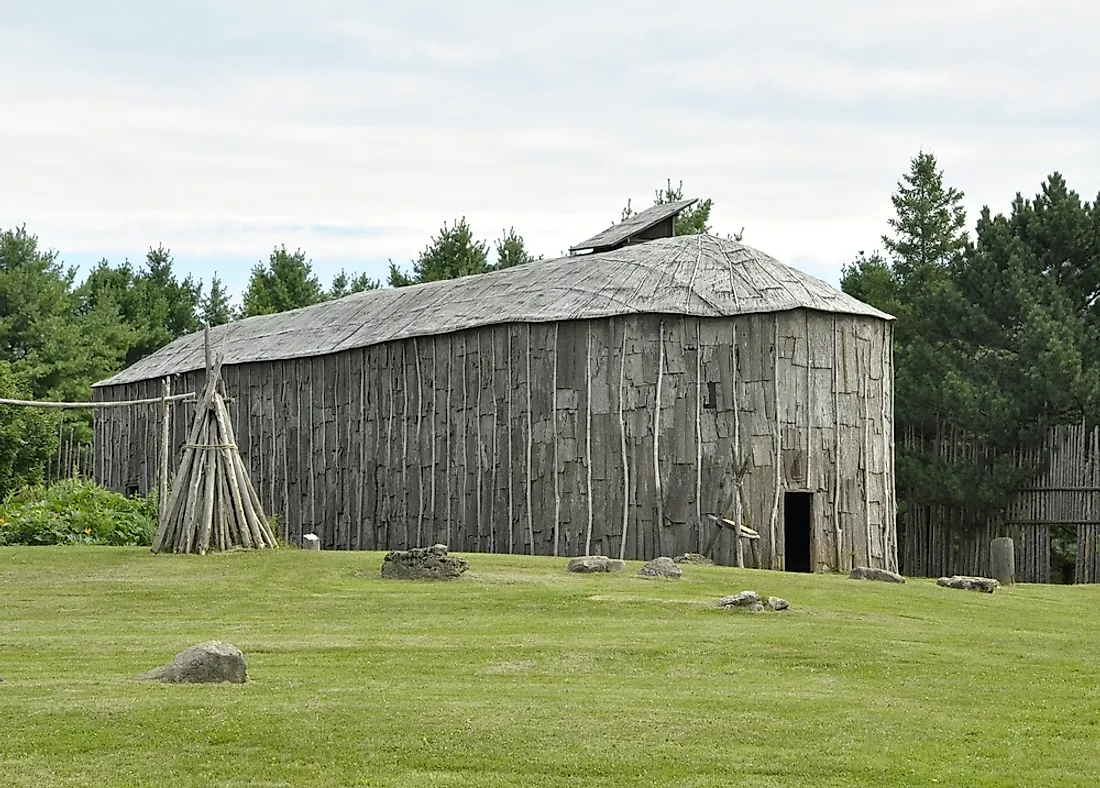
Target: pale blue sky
point(355, 130)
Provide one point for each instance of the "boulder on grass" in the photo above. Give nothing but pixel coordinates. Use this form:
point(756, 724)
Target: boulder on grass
point(775, 603)
point(206, 663)
point(987, 585)
point(595, 563)
point(870, 573)
point(423, 563)
point(746, 600)
point(693, 558)
point(661, 567)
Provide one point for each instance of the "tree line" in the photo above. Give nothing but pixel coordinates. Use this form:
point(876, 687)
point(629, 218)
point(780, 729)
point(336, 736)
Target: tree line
point(60, 334)
point(997, 335)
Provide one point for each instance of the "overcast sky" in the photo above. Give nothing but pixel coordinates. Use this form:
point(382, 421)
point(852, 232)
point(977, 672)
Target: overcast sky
point(354, 130)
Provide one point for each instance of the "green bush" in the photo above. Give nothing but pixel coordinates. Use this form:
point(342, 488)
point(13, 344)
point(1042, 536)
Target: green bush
point(76, 511)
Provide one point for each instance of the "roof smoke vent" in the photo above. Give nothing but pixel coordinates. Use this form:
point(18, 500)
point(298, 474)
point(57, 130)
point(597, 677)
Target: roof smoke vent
point(656, 222)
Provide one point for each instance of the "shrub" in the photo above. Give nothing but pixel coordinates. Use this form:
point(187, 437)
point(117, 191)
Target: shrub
point(76, 511)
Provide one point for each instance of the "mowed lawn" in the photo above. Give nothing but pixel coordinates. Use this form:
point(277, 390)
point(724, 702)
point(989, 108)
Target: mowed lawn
point(521, 674)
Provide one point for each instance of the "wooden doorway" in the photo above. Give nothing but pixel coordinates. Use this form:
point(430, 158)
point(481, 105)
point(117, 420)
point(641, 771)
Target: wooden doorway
point(797, 531)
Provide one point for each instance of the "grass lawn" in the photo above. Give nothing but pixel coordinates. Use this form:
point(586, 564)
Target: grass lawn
point(521, 674)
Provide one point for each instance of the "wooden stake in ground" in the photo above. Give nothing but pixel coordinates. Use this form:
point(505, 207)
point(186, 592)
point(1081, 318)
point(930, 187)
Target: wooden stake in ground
point(213, 504)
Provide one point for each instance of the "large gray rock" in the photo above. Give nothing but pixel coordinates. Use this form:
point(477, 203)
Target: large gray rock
point(595, 563)
point(693, 558)
point(870, 573)
point(986, 585)
point(206, 663)
point(423, 563)
point(775, 603)
point(746, 600)
point(661, 567)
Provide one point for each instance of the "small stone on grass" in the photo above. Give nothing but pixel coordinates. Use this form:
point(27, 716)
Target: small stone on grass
point(986, 585)
point(693, 558)
point(751, 602)
point(870, 573)
point(587, 564)
point(661, 567)
point(423, 563)
point(207, 663)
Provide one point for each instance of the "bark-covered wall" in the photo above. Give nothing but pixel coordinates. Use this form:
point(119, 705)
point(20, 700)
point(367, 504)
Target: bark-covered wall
point(562, 438)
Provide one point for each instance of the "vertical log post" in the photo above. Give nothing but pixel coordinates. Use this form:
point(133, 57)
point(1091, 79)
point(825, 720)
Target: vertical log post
point(622, 442)
point(1003, 560)
point(165, 449)
point(657, 441)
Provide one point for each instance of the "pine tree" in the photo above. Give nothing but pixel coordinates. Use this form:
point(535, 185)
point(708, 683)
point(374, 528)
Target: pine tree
point(511, 251)
point(156, 305)
point(929, 222)
point(286, 282)
point(995, 340)
point(28, 436)
point(933, 386)
point(340, 285)
point(344, 285)
point(694, 220)
point(215, 308)
point(454, 253)
point(361, 283)
point(38, 335)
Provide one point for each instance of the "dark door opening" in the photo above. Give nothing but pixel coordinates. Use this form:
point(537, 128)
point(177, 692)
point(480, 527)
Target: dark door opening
point(796, 531)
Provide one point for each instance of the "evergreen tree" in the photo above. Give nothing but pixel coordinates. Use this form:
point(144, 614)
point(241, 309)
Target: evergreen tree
point(286, 282)
point(340, 285)
point(345, 285)
point(933, 385)
point(28, 436)
point(454, 253)
point(38, 335)
point(215, 308)
point(1032, 278)
point(171, 305)
point(929, 222)
point(995, 340)
point(156, 305)
point(511, 251)
point(691, 221)
point(362, 283)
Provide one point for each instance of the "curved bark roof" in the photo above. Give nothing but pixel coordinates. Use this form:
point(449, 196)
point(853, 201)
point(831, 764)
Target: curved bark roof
point(695, 275)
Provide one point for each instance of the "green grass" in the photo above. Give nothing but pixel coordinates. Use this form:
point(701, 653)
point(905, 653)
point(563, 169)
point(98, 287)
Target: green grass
point(521, 674)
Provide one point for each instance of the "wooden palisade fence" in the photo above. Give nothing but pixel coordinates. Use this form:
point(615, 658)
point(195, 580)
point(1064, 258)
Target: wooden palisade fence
point(1066, 494)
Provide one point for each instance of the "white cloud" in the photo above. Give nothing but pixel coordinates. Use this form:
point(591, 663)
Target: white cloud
point(224, 129)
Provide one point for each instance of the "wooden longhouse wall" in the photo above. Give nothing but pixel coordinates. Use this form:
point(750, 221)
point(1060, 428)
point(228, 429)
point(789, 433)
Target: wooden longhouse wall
point(553, 438)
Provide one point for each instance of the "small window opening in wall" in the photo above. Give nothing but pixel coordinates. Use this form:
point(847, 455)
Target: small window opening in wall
point(710, 399)
point(131, 489)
